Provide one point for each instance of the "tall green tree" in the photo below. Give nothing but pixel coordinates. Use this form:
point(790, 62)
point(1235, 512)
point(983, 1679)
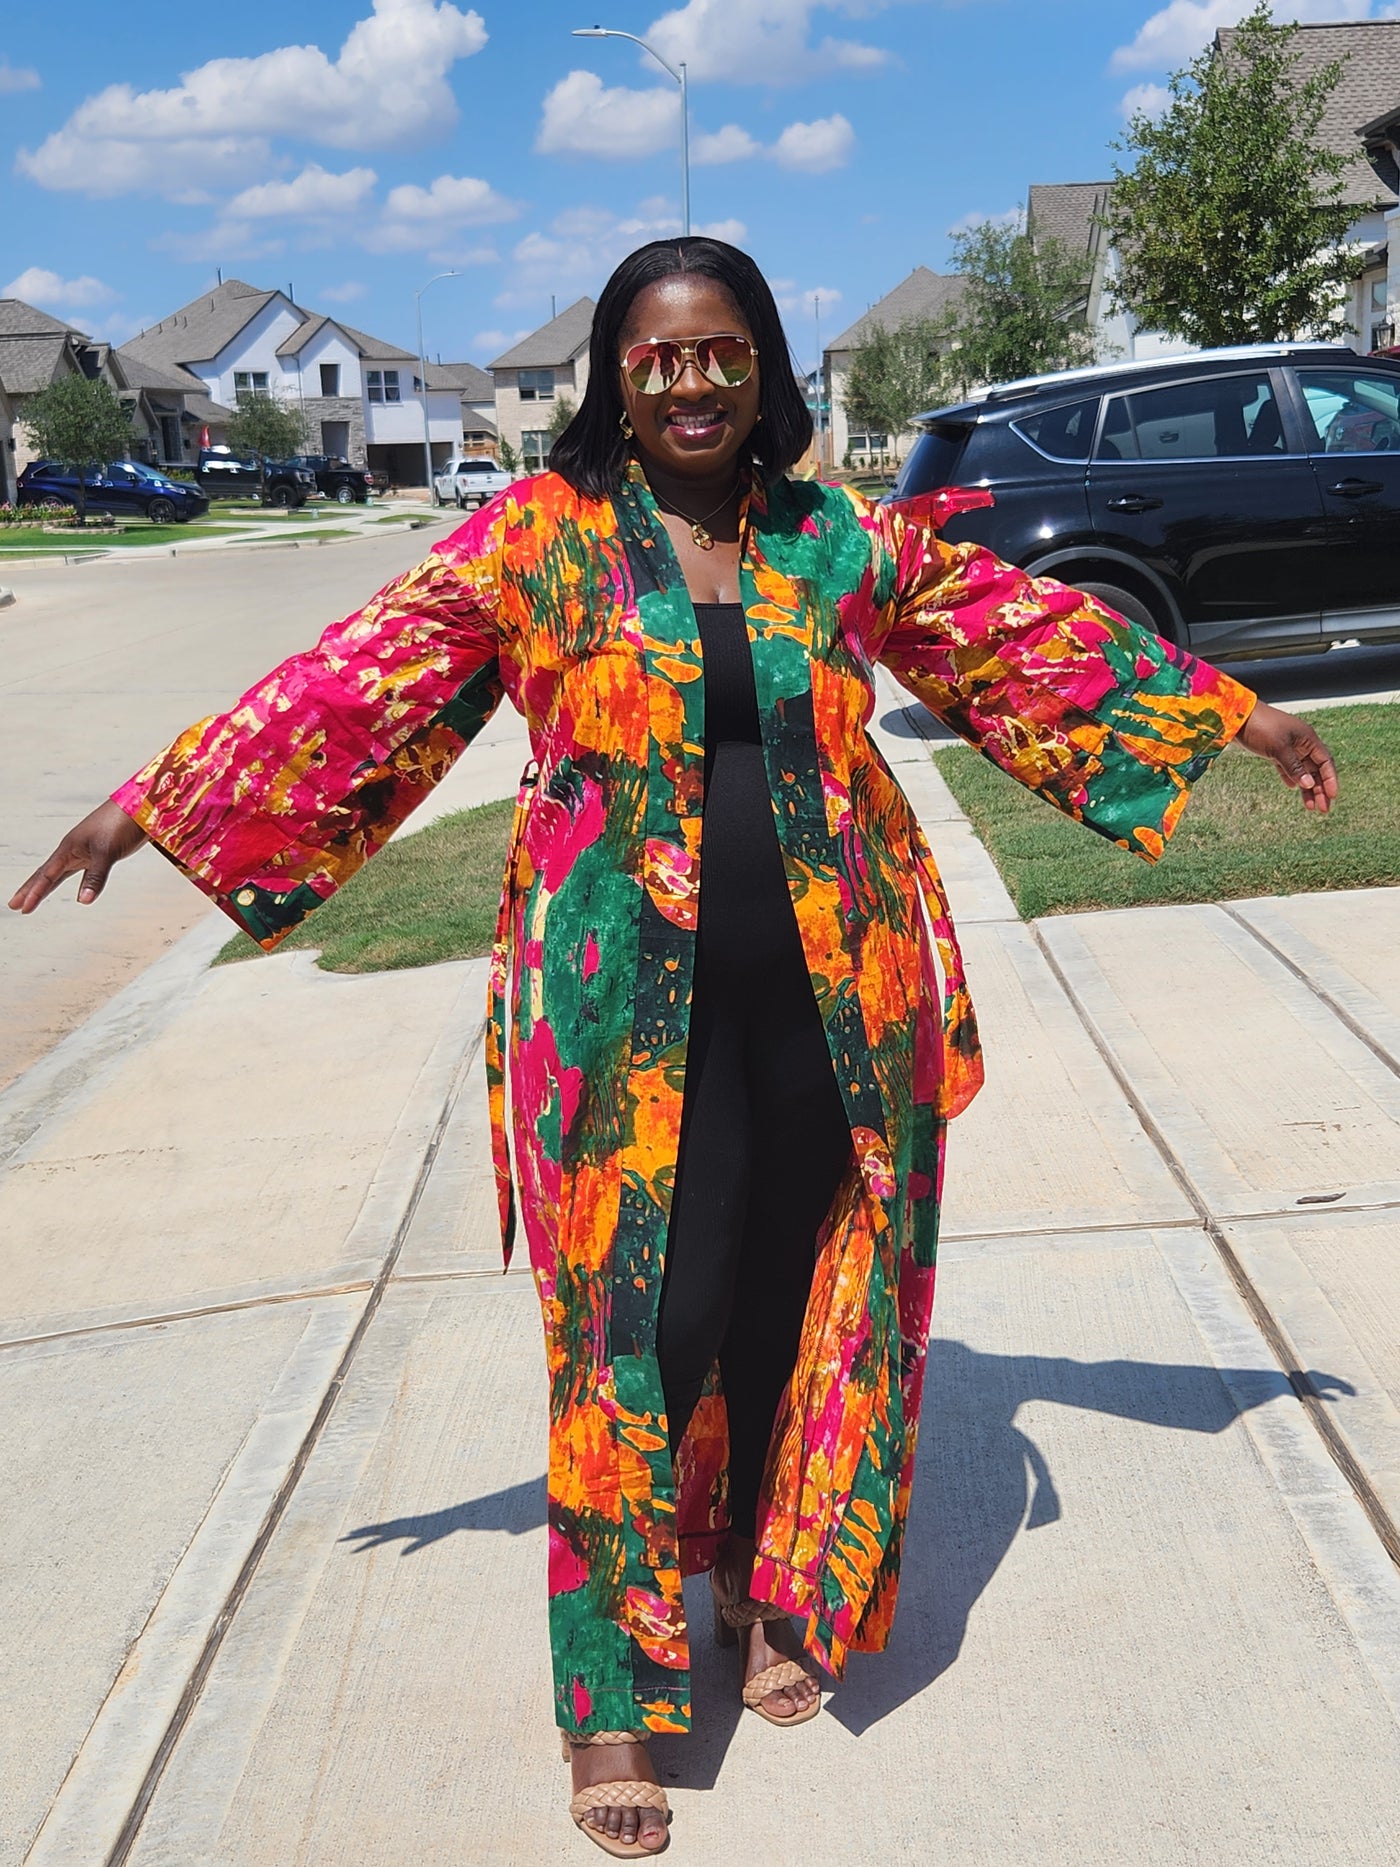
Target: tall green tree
point(562, 416)
point(1021, 312)
point(896, 374)
point(266, 427)
point(78, 423)
point(1229, 225)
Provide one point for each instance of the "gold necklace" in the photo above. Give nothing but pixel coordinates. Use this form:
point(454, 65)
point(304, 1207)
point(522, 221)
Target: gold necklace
point(698, 531)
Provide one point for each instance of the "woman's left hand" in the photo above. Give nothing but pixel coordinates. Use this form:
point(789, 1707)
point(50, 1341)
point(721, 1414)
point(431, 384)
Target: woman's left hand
point(1302, 759)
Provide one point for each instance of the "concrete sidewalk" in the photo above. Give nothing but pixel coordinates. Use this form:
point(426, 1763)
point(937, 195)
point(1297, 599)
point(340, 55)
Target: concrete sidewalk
point(273, 1425)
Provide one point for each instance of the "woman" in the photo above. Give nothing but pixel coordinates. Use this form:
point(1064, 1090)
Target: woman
point(728, 1101)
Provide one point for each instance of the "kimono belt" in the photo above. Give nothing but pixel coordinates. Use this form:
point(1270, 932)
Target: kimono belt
point(959, 1079)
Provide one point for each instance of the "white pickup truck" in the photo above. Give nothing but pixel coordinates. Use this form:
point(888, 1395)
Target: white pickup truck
point(468, 481)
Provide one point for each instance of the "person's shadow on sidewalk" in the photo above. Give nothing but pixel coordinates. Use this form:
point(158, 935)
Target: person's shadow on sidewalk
point(981, 1482)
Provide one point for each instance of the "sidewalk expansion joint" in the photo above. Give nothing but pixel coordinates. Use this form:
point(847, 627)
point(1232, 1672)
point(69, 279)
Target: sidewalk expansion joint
point(186, 1315)
point(194, 1686)
point(1338, 1010)
point(1268, 1325)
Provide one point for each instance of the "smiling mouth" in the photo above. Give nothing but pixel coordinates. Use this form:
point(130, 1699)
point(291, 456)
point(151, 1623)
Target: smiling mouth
point(696, 423)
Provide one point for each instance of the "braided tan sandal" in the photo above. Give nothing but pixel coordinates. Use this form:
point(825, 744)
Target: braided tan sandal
point(730, 1616)
point(619, 1795)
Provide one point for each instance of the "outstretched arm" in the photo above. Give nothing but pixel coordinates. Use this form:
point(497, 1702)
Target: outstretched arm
point(1106, 721)
point(271, 806)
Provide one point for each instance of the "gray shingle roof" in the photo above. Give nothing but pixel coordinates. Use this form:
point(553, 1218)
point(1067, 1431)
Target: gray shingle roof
point(472, 384)
point(923, 294)
point(1065, 211)
point(559, 341)
point(374, 348)
point(20, 320)
point(302, 335)
point(28, 364)
point(201, 329)
point(1369, 87)
point(141, 372)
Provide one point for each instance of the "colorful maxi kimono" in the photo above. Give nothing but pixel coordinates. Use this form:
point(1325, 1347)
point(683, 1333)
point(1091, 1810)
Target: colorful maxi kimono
point(576, 608)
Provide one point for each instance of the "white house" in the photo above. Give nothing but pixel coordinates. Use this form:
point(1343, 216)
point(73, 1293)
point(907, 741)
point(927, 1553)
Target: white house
point(361, 398)
point(533, 376)
point(923, 294)
point(477, 394)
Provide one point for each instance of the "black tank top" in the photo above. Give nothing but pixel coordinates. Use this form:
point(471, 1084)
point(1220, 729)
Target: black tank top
point(731, 704)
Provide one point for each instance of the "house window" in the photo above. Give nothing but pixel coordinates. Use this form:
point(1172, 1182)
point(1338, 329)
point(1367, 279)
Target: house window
point(383, 385)
point(536, 385)
point(249, 382)
point(534, 449)
point(330, 379)
point(868, 443)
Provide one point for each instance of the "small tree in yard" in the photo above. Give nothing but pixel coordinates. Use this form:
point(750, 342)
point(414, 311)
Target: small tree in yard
point(1022, 307)
point(895, 375)
point(266, 428)
point(79, 424)
point(560, 419)
point(1229, 226)
point(506, 454)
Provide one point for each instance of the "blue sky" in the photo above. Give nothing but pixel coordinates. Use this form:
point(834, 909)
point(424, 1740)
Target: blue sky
point(144, 147)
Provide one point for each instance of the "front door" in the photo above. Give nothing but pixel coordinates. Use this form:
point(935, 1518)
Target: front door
point(1353, 415)
point(1197, 478)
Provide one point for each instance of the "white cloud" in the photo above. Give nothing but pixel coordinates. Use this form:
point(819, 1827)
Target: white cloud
point(427, 220)
point(1149, 100)
point(36, 285)
point(220, 244)
point(807, 302)
point(580, 247)
point(490, 344)
point(16, 78)
point(582, 117)
point(755, 42)
point(387, 85)
point(344, 294)
point(825, 143)
point(1175, 34)
point(1008, 217)
point(315, 194)
point(730, 144)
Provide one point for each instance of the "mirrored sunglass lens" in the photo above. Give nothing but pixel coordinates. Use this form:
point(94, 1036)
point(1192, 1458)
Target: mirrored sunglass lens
point(652, 367)
point(726, 361)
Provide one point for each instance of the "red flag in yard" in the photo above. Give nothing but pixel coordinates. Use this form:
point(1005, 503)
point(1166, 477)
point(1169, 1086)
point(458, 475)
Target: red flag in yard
point(204, 437)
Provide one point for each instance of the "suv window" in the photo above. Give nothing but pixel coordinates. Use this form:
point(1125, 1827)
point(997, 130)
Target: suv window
point(933, 460)
point(1065, 433)
point(1220, 417)
point(1352, 411)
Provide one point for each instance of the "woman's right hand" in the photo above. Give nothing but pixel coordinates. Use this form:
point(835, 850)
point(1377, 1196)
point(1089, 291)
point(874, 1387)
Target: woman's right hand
point(103, 837)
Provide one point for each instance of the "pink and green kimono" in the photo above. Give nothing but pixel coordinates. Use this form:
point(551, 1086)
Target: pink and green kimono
point(576, 609)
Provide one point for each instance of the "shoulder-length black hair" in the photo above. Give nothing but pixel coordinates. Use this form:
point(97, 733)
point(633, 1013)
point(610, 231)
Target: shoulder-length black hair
point(592, 452)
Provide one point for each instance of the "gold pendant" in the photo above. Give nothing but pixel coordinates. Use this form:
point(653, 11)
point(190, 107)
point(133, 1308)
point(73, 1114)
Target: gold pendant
point(701, 536)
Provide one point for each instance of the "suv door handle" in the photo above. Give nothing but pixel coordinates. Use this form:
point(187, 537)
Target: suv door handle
point(1133, 502)
point(1356, 489)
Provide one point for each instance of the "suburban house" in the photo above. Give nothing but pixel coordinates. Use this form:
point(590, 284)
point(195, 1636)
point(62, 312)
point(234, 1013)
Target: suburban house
point(1361, 122)
point(360, 397)
point(923, 294)
point(534, 376)
point(36, 350)
point(477, 394)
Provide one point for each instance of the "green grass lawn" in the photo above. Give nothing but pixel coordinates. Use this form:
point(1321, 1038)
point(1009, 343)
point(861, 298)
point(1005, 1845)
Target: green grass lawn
point(27, 540)
point(1243, 833)
point(427, 897)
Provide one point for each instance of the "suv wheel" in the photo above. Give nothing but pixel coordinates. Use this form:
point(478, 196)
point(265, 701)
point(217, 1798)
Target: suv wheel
point(283, 496)
point(345, 495)
point(162, 512)
point(1112, 596)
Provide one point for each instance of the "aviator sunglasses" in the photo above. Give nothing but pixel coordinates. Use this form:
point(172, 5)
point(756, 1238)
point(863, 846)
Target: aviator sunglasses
point(723, 359)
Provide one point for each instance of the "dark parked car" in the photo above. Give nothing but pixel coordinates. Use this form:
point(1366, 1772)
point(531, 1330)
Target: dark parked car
point(336, 478)
point(125, 488)
point(1239, 502)
point(226, 475)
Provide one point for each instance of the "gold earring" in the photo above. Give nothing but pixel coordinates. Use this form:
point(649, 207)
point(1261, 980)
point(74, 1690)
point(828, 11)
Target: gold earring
point(625, 425)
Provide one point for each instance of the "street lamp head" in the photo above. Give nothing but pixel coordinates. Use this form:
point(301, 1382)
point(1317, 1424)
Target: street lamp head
point(591, 32)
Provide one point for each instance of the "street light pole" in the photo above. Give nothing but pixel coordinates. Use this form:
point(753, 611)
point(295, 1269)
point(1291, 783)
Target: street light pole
point(423, 377)
point(679, 74)
point(821, 383)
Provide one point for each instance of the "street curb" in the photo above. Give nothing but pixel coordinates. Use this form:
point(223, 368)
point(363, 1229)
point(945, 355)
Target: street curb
point(139, 554)
point(77, 1063)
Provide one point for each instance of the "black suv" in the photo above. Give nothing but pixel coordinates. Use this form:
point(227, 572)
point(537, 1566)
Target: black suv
point(336, 478)
point(222, 474)
point(1239, 502)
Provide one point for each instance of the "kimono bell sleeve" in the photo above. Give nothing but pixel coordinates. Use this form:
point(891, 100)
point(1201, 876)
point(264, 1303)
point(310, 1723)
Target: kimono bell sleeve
point(271, 806)
point(1101, 718)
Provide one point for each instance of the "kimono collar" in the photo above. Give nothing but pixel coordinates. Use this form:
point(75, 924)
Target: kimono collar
point(753, 506)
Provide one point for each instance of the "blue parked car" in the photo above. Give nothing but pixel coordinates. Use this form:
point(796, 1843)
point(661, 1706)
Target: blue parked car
point(125, 488)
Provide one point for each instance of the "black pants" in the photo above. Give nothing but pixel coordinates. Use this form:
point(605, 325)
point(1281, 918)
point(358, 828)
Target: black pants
point(764, 1137)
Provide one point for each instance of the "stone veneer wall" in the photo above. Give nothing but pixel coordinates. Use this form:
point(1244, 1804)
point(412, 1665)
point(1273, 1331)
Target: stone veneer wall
point(319, 408)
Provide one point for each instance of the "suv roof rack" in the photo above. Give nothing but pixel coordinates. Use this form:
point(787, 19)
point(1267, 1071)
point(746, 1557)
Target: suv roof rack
point(994, 392)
